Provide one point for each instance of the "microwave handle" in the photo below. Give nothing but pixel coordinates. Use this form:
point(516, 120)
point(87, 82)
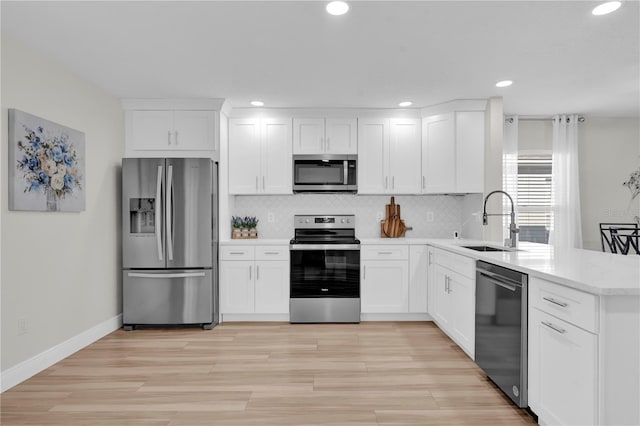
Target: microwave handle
point(345, 169)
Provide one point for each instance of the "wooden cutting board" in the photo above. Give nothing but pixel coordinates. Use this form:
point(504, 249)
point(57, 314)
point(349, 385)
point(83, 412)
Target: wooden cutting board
point(392, 226)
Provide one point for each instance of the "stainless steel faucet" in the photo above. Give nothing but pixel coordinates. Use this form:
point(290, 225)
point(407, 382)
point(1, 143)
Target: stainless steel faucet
point(513, 230)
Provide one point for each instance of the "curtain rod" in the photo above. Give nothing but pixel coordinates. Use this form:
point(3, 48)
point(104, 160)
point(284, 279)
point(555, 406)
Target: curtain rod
point(581, 119)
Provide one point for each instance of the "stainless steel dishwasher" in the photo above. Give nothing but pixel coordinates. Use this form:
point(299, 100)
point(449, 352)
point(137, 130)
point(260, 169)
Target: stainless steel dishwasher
point(501, 328)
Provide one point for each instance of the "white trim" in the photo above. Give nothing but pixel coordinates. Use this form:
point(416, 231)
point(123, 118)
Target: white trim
point(26, 369)
point(206, 104)
point(456, 105)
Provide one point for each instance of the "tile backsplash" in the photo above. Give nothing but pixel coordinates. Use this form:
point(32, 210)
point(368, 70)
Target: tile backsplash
point(449, 212)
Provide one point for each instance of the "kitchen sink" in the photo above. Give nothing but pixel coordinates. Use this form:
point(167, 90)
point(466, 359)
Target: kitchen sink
point(486, 248)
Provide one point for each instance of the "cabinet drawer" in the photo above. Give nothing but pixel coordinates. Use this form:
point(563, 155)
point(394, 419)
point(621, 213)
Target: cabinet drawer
point(574, 306)
point(463, 265)
point(237, 252)
point(385, 252)
point(272, 252)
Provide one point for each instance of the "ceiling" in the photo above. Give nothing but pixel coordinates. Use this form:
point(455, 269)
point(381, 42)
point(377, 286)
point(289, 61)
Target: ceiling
point(561, 58)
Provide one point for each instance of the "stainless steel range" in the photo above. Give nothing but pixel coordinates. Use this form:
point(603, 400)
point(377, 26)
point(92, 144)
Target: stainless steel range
point(325, 270)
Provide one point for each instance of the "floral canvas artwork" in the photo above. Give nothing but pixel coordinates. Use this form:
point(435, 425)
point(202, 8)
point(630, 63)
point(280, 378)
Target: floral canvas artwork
point(46, 165)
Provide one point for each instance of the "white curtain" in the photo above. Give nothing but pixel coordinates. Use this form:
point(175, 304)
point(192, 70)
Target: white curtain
point(509, 169)
point(566, 228)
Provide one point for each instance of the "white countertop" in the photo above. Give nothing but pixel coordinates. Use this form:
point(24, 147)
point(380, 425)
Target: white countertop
point(256, 242)
point(587, 270)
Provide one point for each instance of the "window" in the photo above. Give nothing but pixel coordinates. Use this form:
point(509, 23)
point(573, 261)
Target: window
point(534, 197)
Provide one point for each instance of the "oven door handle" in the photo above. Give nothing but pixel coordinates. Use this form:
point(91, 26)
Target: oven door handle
point(295, 247)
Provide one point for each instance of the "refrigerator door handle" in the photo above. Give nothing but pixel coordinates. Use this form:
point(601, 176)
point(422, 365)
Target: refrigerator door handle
point(169, 211)
point(176, 275)
point(158, 208)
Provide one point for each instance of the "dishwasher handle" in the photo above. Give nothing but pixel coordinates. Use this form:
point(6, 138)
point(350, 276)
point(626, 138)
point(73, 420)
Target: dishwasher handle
point(499, 277)
point(497, 281)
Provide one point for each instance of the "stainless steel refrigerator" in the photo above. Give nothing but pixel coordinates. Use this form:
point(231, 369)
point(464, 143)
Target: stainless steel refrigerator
point(169, 242)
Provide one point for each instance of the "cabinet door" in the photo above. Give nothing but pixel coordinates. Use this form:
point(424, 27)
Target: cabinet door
point(149, 130)
point(470, 151)
point(244, 156)
point(272, 287)
point(385, 286)
point(563, 371)
point(463, 311)
point(373, 150)
point(237, 287)
point(439, 154)
point(276, 157)
point(418, 278)
point(442, 302)
point(404, 156)
point(341, 136)
point(193, 130)
point(308, 136)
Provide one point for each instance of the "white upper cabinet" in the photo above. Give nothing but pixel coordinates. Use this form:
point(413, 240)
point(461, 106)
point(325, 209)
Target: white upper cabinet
point(159, 128)
point(260, 156)
point(389, 156)
point(453, 153)
point(325, 136)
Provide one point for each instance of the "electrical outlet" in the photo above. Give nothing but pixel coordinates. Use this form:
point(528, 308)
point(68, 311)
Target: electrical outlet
point(270, 217)
point(22, 326)
point(429, 216)
point(379, 216)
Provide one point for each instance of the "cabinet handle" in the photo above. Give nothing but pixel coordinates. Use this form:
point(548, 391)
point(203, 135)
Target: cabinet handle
point(271, 252)
point(175, 139)
point(168, 137)
point(553, 327)
point(393, 182)
point(429, 261)
point(257, 183)
point(386, 182)
point(555, 302)
point(364, 272)
point(385, 252)
point(263, 184)
point(446, 284)
point(258, 273)
point(424, 182)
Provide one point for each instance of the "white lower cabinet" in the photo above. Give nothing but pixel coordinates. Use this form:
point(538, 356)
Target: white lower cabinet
point(452, 287)
point(584, 366)
point(385, 286)
point(254, 280)
point(564, 357)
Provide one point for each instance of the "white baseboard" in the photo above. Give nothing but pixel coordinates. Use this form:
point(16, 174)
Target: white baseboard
point(21, 372)
point(254, 317)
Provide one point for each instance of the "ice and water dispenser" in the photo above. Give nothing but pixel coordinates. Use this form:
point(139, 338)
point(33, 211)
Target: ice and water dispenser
point(142, 215)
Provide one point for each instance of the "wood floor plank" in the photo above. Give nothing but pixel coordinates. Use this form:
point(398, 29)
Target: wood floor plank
point(373, 373)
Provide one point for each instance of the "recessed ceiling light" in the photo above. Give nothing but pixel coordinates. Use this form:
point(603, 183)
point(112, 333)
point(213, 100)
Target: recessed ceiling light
point(607, 7)
point(504, 83)
point(257, 103)
point(405, 104)
point(337, 8)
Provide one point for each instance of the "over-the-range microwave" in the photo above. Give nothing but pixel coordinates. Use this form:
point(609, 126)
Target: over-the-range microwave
point(324, 173)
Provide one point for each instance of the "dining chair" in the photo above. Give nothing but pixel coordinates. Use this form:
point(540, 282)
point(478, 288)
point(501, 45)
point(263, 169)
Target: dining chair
point(620, 238)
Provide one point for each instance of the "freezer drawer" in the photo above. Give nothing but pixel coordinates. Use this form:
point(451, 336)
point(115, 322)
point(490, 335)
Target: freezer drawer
point(158, 297)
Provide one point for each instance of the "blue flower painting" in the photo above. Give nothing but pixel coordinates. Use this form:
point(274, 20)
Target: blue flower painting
point(46, 170)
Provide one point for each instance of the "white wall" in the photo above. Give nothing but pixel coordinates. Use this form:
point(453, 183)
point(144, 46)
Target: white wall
point(60, 272)
point(609, 152)
point(494, 132)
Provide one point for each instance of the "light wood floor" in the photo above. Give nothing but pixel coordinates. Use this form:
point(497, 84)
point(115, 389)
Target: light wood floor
point(265, 374)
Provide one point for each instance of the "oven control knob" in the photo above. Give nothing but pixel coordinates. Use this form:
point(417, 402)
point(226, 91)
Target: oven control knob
point(348, 220)
point(306, 220)
point(342, 220)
